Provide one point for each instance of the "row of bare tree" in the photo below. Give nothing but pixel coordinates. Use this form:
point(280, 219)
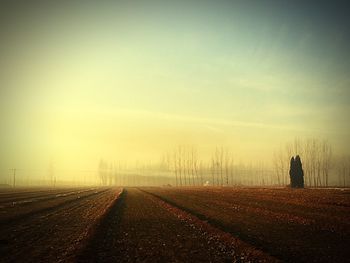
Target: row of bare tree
point(342, 164)
point(221, 167)
point(189, 170)
point(119, 173)
point(183, 167)
point(318, 162)
point(316, 155)
point(186, 166)
point(109, 173)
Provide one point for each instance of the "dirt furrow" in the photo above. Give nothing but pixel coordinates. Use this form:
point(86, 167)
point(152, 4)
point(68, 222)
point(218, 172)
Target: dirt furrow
point(281, 235)
point(244, 250)
point(11, 215)
point(57, 235)
point(15, 198)
point(140, 228)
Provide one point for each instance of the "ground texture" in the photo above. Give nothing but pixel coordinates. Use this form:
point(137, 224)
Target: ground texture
point(294, 225)
point(174, 225)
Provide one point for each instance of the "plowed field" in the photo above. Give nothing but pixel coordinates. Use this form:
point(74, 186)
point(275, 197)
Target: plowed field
point(175, 225)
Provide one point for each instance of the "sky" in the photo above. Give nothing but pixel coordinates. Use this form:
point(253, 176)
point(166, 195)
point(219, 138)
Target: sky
point(131, 80)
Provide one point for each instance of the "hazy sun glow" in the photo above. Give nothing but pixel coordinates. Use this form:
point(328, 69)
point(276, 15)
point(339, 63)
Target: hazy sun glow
point(131, 81)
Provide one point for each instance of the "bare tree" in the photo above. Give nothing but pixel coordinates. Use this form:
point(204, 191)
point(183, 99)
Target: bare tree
point(194, 163)
point(188, 165)
point(307, 163)
point(218, 157)
point(212, 168)
point(180, 165)
point(343, 167)
point(103, 172)
point(227, 164)
point(51, 174)
point(221, 157)
point(200, 172)
point(185, 165)
point(176, 168)
point(276, 164)
point(326, 161)
point(232, 170)
point(281, 164)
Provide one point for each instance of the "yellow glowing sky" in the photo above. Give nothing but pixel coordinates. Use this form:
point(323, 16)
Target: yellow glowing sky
point(132, 81)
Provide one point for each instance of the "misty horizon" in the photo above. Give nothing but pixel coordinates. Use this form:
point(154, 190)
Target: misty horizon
point(131, 82)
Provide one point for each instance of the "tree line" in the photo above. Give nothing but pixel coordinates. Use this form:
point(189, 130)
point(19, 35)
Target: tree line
point(221, 170)
point(318, 160)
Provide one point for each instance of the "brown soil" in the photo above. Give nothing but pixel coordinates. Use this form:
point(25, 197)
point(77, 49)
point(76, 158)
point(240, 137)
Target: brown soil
point(301, 225)
point(56, 232)
point(175, 225)
point(140, 229)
